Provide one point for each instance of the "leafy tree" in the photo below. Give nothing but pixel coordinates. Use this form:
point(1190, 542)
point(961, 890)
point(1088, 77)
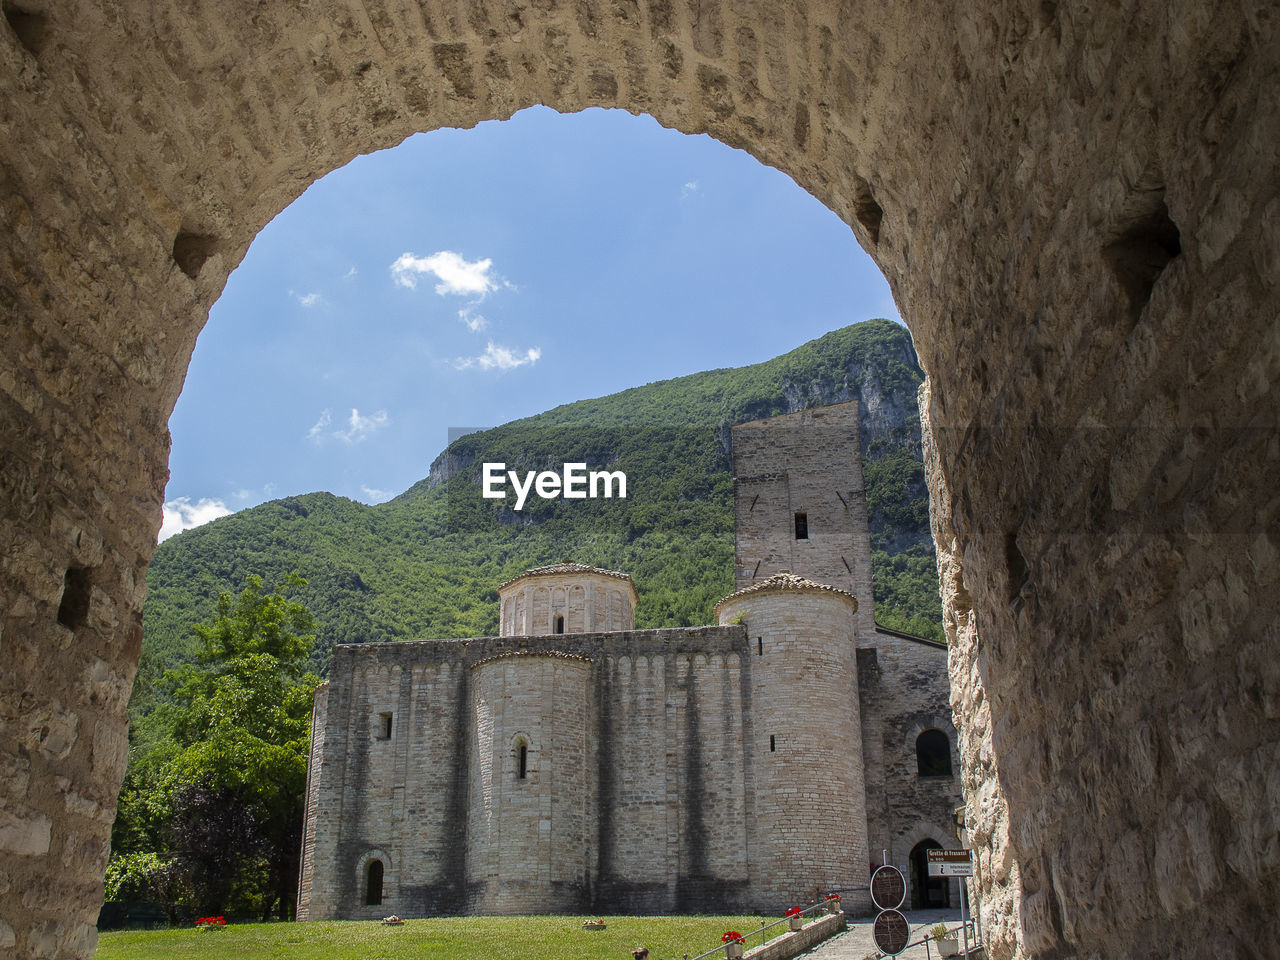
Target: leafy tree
point(217, 788)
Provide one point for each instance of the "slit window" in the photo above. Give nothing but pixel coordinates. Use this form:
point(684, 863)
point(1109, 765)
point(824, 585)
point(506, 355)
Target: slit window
point(373, 884)
point(802, 526)
point(384, 729)
point(759, 646)
point(522, 761)
point(773, 744)
point(559, 624)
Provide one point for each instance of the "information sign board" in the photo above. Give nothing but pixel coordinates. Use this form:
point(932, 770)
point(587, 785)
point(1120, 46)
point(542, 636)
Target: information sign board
point(888, 888)
point(891, 932)
point(950, 863)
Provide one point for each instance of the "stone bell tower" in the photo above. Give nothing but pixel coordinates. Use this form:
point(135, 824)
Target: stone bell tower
point(800, 505)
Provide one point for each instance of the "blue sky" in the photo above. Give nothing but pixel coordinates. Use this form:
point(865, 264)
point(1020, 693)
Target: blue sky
point(470, 277)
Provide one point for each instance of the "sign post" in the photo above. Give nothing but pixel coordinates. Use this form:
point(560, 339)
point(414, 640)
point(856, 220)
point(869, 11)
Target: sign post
point(955, 863)
point(888, 891)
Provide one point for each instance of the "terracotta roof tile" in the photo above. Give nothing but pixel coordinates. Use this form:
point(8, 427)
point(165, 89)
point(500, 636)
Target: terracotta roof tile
point(786, 581)
point(555, 569)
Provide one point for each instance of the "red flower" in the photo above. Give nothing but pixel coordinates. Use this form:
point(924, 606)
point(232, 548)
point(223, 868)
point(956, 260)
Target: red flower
point(833, 896)
point(732, 936)
point(792, 911)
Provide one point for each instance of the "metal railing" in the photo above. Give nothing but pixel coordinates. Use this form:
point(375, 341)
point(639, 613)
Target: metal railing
point(929, 938)
point(811, 912)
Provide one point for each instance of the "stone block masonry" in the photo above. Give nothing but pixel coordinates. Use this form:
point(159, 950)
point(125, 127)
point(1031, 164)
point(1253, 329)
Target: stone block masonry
point(1077, 209)
point(591, 767)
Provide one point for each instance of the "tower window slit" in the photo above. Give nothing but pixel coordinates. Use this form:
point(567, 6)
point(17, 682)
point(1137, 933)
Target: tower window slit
point(773, 746)
point(802, 526)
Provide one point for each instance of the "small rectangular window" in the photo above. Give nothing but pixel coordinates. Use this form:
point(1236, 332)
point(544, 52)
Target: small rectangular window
point(773, 746)
point(802, 526)
point(524, 761)
point(384, 726)
point(760, 646)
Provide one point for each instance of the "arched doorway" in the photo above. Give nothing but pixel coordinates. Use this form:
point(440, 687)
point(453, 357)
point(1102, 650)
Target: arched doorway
point(927, 893)
point(1016, 171)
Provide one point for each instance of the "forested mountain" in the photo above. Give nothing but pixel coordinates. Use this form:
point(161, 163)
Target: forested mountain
point(425, 564)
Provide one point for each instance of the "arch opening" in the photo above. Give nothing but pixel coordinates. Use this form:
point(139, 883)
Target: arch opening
point(933, 754)
point(927, 893)
point(373, 883)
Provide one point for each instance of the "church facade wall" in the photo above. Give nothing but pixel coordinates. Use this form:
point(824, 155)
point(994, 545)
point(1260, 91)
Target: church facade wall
point(667, 770)
point(902, 699)
point(639, 785)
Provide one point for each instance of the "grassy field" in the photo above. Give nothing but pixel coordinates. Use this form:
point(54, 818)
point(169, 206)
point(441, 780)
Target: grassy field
point(444, 938)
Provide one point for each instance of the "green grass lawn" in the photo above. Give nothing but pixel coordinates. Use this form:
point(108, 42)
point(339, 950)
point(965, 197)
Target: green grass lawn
point(442, 938)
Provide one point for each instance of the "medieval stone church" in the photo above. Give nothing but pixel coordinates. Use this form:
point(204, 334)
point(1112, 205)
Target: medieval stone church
point(575, 764)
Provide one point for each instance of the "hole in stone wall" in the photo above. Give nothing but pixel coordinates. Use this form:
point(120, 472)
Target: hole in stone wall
point(933, 754)
point(866, 209)
point(1145, 240)
point(191, 250)
point(29, 27)
point(1017, 565)
point(77, 585)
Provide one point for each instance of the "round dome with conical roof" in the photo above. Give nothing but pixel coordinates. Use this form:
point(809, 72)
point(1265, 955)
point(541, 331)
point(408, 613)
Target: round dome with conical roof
point(567, 598)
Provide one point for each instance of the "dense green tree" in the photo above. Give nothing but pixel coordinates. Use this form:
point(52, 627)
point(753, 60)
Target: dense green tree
point(217, 775)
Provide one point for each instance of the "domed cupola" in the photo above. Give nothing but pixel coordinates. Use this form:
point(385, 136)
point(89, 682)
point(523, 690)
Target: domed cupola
point(566, 598)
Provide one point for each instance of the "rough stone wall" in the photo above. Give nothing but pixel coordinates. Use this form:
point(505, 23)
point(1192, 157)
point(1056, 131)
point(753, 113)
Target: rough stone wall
point(636, 775)
point(668, 770)
point(808, 826)
point(1077, 210)
point(911, 701)
point(530, 837)
point(308, 898)
point(805, 462)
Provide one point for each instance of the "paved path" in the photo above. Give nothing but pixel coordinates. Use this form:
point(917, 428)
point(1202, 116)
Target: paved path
point(857, 942)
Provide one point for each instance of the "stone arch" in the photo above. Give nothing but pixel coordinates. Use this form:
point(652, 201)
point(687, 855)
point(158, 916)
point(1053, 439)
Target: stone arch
point(1083, 242)
point(913, 733)
point(373, 865)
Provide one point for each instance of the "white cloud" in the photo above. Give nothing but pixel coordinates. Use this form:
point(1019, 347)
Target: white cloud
point(307, 299)
point(349, 274)
point(268, 488)
point(181, 514)
point(316, 433)
point(242, 494)
point(475, 321)
point(456, 275)
point(359, 427)
point(498, 358)
point(689, 188)
point(375, 496)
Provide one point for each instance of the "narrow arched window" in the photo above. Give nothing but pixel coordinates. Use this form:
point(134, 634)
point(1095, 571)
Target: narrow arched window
point(933, 754)
point(373, 884)
point(559, 624)
point(522, 760)
point(802, 526)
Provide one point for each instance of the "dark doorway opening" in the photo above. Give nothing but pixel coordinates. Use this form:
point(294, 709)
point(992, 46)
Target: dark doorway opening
point(373, 889)
point(927, 893)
